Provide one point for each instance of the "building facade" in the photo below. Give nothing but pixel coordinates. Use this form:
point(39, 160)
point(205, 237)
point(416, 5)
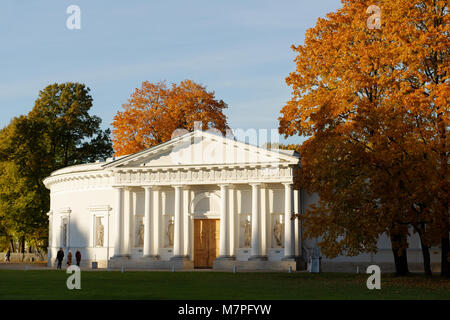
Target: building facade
point(200, 200)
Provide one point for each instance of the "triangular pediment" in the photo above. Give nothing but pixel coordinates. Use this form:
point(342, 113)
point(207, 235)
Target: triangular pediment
point(200, 148)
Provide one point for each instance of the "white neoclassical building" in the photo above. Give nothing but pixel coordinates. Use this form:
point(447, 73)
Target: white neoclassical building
point(199, 200)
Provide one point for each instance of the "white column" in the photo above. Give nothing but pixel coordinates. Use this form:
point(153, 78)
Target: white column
point(50, 230)
point(148, 252)
point(191, 227)
point(157, 219)
point(107, 233)
point(127, 222)
point(224, 245)
point(118, 219)
point(288, 222)
point(232, 220)
point(256, 227)
point(186, 223)
point(263, 220)
point(269, 222)
point(93, 235)
point(178, 223)
point(297, 241)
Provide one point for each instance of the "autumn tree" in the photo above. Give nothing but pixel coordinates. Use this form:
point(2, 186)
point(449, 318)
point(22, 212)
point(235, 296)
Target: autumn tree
point(57, 132)
point(374, 102)
point(155, 111)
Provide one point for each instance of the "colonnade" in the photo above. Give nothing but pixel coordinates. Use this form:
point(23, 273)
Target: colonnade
point(182, 241)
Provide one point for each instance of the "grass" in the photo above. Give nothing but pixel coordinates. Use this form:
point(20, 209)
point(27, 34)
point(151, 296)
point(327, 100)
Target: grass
point(51, 284)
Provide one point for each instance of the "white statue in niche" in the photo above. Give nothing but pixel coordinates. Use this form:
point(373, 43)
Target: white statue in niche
point(247, 233)
point(278, 232)
point(140, 234)
point(100, 232)
point(170, 231)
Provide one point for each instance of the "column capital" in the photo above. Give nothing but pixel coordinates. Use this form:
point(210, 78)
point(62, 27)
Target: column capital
point(178, 186)
point(287, 184)
point(224, 185)
point(120, 187)
point(148, 187)
point(255, 184)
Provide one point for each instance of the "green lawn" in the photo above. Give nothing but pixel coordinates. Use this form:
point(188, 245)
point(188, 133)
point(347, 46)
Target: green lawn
point(51, 284)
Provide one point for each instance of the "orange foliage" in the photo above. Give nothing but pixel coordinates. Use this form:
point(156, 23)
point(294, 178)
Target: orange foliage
point(375, 105)
point(155, 111)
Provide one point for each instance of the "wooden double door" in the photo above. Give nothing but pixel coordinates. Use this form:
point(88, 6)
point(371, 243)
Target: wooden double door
point(206, 242)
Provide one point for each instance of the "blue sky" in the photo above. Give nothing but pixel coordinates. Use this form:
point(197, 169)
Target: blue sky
point(239, 49)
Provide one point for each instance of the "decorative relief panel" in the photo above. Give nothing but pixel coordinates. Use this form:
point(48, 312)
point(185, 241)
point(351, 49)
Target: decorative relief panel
point(184, 175)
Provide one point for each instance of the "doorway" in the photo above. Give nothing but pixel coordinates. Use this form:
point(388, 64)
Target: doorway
point(206, 242)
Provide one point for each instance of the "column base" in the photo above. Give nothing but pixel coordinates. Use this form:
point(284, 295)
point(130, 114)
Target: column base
point(178, 258)
point(257, 258)
point(121, 256)
point(150, 257)
point(227, 258)
point(288, 258)
point(181, 262)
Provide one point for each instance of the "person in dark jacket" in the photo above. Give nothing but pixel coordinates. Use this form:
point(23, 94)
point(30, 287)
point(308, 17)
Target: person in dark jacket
point(8, 255)
point(78, 257)
point(60, 257)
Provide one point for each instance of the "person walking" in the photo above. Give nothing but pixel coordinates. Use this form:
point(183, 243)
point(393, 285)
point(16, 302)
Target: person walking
point(8, 256)
point(78, 257)
point(60, 257)
point(69, 258)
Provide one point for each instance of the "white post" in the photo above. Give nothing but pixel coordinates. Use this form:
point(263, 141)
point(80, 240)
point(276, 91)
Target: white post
point(178, 224)
point(50, 229)
point(50, 239)
point(232, 221)
point(156, 220)
point(263, 220)
point(224, 244)
point(118, 217)
point(147, 221)
point(127, 222)
point(191, 227)
point(288, 223)
point(186, 223)
point(297, 237)
point(256, 212)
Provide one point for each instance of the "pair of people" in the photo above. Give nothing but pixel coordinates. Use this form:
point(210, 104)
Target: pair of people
point(60, 257)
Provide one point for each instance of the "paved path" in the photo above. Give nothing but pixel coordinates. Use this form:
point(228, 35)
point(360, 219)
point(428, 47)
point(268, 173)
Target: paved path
point(42, 266)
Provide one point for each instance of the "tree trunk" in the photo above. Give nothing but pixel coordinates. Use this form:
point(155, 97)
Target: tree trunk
point(22, 244)
point(445, 257)
point(426, 256)
point(12, 245)
point(400, 255)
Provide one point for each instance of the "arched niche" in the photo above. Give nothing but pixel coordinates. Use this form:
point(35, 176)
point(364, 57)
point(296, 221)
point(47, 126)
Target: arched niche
point(206, 205)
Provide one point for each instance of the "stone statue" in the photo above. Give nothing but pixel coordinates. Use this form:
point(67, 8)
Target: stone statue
point(278, 233)
point(141, 234)
point(100, 232)
point(247, 234)
point(170, 230)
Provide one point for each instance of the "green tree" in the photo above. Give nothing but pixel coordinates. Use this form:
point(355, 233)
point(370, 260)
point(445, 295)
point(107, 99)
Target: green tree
point(58, 132)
